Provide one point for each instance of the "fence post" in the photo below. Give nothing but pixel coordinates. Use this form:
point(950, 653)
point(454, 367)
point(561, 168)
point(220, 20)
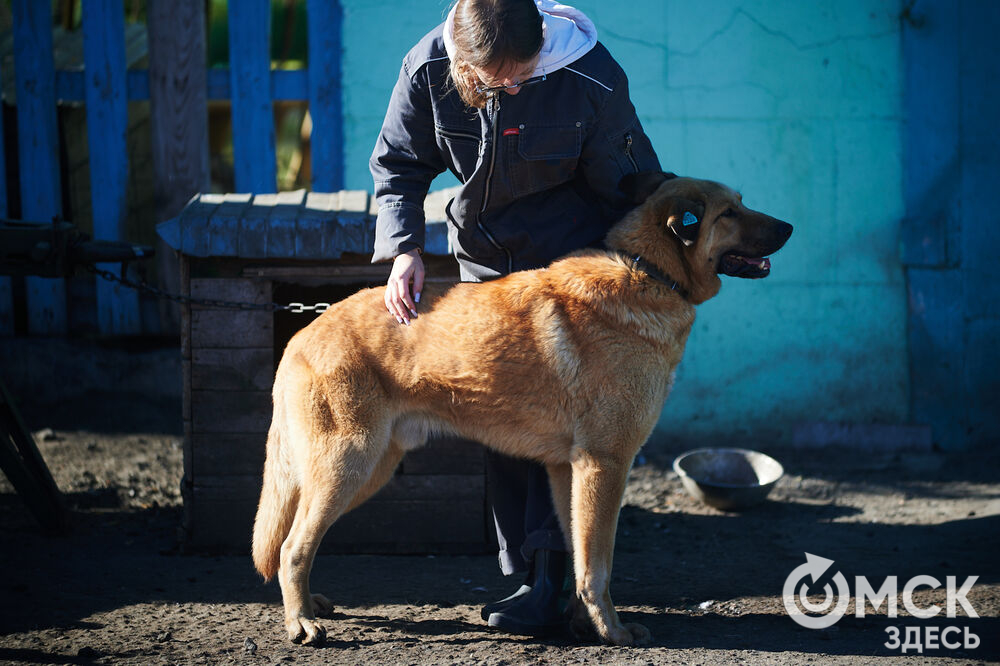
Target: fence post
point(38, 149)
point(253, 117)
point(325, 45)
point(107, 129)
point(178, 108)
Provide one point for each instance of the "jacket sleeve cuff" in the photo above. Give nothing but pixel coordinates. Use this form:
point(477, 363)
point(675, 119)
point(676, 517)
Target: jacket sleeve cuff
point(399, 228)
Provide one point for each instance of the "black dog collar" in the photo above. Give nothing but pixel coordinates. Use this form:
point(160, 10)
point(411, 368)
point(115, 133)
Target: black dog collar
point(652, 271)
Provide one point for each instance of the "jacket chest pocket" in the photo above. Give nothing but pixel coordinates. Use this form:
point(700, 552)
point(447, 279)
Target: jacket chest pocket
point(460, 147)
point(540, 157)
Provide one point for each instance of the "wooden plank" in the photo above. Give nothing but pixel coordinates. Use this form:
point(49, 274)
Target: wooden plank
point(254, 226)
point(186, 370)
point(227, 329)
point(252, 114)
point(38, 491)
point(230, 411)
point(231, 289)
point(290, 85)
point(24, 466)
point(195, 223)
point(411, 526)
point(3, 170)
point(281, 226)
point(6, 283)
point(178, 109)
point(224, 508)
point(363, 273)
point(107, 126)
point(232, 369)
point(355, 232)
point(446, 455)
point(38, 150)
point(188, 456)
point(6, 303)
point(315, 219)
point(455, 487)
point(235, 454)
point(225, 225)
point(287, 85)
point(184, 277)
point(228, 454)
point(325, 94)
point(178, 103)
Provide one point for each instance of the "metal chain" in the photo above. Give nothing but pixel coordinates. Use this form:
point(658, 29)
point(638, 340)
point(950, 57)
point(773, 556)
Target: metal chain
point(294, 308)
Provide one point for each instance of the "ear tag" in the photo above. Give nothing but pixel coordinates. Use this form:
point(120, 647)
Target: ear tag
point(689, 219)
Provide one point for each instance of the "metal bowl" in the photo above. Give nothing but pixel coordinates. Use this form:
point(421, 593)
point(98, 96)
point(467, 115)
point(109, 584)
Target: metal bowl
point(728, 479)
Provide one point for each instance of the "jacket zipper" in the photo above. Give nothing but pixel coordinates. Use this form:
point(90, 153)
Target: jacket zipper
point(495, 103)
point(628, 152)
point(452, 134)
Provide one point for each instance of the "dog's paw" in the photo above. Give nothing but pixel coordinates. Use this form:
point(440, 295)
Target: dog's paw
point(322, 606)
point(306, 631)
point(627, 635)
point(640, 634)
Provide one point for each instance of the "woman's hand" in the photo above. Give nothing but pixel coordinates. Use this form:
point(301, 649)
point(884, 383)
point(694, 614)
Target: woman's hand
point(406, 268)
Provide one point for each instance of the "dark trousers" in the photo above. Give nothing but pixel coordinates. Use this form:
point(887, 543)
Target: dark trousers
point(525, 519)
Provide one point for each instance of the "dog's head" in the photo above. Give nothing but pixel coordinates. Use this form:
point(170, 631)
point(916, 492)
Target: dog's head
point(701, 225)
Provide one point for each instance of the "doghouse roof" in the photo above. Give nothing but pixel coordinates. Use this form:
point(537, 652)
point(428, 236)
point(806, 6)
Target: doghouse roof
point(290, 225)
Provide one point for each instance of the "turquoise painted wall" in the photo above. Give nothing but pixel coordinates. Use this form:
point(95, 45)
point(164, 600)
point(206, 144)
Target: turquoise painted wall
point(797, 105)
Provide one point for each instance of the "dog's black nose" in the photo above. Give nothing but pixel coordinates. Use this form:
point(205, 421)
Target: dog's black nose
point(785, 230)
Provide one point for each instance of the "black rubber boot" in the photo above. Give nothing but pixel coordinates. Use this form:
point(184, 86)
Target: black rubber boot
point(539, 611)
point(489, 609)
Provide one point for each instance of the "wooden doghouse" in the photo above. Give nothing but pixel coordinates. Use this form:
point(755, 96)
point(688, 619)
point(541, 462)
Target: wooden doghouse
point(306, 248)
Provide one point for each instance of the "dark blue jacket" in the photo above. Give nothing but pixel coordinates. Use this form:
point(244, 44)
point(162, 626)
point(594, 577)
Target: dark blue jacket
point(539, 170)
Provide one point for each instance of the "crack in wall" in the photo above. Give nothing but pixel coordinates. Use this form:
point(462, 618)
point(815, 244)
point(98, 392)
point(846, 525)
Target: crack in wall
point(805, 46)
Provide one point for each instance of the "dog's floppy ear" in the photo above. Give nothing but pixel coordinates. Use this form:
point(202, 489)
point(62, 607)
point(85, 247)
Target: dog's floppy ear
point(685, 219)
point(639, 186)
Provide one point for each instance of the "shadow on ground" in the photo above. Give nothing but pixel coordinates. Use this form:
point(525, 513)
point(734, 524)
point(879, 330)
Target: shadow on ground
point(704, 582)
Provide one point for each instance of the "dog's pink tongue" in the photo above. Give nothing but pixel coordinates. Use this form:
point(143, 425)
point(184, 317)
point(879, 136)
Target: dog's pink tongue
point(745, 267)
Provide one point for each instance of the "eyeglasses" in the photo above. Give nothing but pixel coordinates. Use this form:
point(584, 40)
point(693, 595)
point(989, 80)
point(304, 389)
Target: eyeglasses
point(527, 82)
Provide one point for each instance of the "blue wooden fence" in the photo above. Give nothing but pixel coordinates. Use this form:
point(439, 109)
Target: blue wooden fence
point(106, 87)
point(107, 127)
point(38, 148)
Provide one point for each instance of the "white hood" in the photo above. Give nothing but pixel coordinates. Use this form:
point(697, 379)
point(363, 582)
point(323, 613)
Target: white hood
point(567, 34)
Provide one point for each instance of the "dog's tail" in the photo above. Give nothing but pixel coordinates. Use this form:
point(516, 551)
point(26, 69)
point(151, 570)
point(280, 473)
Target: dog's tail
point(279, 499)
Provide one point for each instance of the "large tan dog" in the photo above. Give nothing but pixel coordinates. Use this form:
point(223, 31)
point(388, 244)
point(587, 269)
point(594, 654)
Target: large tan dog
point(567, 365)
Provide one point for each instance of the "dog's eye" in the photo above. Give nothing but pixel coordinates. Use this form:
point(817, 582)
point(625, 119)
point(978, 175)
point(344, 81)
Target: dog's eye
point(729, 212)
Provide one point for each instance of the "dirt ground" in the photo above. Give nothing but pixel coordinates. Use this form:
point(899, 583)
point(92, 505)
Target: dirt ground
point(119, 590)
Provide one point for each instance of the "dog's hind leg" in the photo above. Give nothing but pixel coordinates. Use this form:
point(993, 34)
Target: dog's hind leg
point(340, 467)
point(383, 471)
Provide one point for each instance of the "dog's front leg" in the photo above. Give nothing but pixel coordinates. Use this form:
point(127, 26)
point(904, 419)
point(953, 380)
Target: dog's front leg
point(560, 482)
point(598, 485)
